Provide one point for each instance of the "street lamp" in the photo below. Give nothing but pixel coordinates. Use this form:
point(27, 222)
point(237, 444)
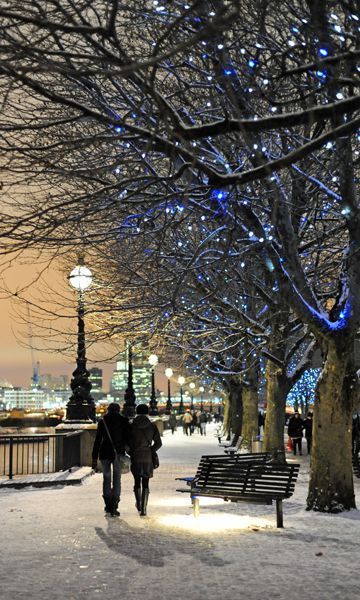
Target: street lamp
point(81, 405)
point(192, 387)
point(153, 361)
point(201, 390)
point(181, 381)
point(168, 374)
point(129, 396)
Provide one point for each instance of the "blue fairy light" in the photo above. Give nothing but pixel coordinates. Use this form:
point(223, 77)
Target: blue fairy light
point(322, 75)
point(323, 51)
point(229, 72)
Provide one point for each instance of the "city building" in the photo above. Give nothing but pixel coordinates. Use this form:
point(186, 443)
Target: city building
point(51, 382)
point(33, 399)
point(28, 399)
point(96, 380)
point(141, 376)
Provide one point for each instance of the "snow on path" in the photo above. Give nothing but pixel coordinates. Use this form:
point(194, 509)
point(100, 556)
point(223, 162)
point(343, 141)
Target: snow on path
point(57, 543)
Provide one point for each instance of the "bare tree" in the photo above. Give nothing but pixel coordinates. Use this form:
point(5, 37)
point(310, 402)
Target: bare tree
point(254, 125)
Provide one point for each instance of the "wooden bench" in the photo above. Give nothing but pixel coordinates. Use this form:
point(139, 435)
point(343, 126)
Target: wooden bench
point(231, 450)
point(228, 442)
point(253, 478)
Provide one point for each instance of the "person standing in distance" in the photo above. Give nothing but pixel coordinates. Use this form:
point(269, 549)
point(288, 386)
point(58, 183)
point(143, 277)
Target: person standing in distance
point(295, 431)
point(144, 439)
point(113, 430)
point(308, 426)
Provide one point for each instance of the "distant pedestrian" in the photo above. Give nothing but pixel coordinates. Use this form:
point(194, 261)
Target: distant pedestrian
point(355, 434)
point(261, 422)
point(144, 440)
point(295, 429)
point(172, 422)
point(308, 428)
point(198, 419)
point(112, 431)
point(187, 420)
point(194, 422)
point(203, 421)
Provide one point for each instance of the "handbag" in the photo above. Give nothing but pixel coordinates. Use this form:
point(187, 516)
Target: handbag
point(123, 459)
point(154, 454)
point(155, 458)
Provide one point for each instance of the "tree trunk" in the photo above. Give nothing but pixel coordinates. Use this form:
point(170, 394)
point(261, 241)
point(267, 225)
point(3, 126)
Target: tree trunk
point(236, 406)
point(277, 389)
point(331, 487)
point(227, 415)
point(250, 415)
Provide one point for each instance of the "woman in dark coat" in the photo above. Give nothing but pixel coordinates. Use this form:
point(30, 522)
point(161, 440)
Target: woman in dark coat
point(119, 429)
point(144, 438)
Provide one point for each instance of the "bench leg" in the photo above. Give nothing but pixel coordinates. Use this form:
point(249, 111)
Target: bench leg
point(279, 514)
point(196, 505)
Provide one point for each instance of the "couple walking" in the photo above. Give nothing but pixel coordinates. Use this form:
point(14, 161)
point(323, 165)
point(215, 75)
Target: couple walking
point(140, 438)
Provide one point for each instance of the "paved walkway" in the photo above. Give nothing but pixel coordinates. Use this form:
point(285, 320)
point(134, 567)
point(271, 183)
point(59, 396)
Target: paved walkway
point(57, 543)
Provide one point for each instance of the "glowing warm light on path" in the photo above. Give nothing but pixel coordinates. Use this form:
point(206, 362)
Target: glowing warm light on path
point(215, 523)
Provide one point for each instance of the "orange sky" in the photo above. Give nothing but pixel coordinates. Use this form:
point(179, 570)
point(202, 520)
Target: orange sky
point(16, 361)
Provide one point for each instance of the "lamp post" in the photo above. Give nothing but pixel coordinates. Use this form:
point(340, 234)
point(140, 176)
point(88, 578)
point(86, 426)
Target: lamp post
point(201, 390)
point(168, 374)
point(130, 398)
point(81, 405)
point(192, 387)
point(153, 361)
point(181, 381)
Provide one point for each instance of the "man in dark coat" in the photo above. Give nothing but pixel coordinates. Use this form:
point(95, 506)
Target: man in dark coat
point(144, 440)
point(117, 426)
point(295, 429)
point(308, 426)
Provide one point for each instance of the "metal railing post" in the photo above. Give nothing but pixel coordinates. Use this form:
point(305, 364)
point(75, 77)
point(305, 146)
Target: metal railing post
point(11, 447)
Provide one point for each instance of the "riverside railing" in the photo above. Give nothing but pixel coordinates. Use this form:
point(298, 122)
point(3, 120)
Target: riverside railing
point(30, 454)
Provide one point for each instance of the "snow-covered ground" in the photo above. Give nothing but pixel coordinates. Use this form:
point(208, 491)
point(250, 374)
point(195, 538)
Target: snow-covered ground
point(57, 543)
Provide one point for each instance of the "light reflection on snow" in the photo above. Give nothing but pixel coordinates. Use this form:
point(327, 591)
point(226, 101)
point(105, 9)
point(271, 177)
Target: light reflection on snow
point(214, 523)
point(185, 502)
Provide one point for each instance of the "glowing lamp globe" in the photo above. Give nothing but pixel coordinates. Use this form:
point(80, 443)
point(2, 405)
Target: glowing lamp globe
point(80, 278)
point(168, 372)
point(192, 386)
point(181, 380)
point(201, 389)
point(153, 360)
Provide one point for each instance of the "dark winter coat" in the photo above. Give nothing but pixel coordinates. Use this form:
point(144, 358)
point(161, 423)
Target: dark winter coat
point(295, 427)
point(308, 425)
point(172, 421)
point(119, 430)
point(144, 435)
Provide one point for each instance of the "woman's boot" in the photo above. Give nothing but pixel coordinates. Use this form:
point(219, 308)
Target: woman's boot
point(144, 502)
point(137, 492)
